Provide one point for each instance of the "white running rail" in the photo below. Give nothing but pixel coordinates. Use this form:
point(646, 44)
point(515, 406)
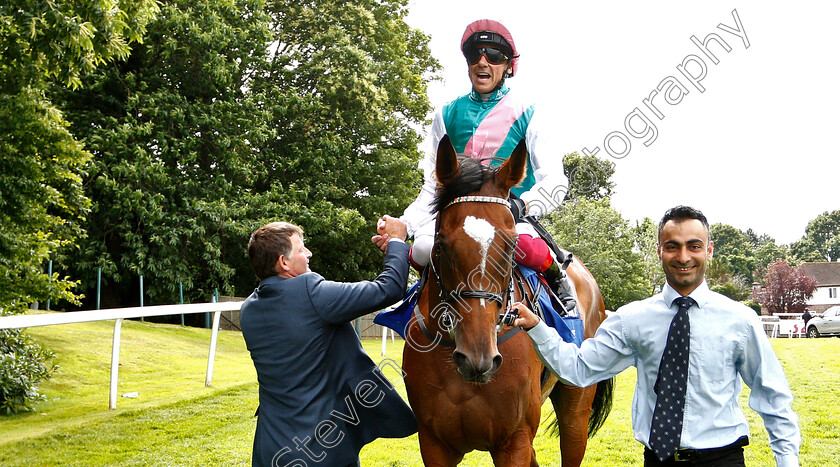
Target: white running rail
point(118, 314)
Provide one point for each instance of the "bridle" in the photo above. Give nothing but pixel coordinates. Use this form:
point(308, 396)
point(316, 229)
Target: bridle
point(447, 296)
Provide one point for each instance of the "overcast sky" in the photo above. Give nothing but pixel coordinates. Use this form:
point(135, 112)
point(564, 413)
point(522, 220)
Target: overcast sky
point(756, 149)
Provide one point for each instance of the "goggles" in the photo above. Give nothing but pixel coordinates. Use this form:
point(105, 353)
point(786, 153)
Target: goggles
point(494, 56)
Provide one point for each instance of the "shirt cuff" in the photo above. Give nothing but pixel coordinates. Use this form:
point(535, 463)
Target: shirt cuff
point(541, 333)
point(787, 460)
point(396, 240)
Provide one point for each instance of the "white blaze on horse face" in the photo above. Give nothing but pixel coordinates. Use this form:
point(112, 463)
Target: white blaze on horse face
point(482, 232)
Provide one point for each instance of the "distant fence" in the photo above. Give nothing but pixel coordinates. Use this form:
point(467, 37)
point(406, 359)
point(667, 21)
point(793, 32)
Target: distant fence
point(783, 324)
point(118, 314)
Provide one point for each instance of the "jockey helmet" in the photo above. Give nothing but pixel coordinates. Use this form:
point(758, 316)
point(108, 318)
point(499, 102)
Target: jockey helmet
point(487, 31)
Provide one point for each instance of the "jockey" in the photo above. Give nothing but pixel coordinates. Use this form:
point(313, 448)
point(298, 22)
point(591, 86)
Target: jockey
point(487, 124)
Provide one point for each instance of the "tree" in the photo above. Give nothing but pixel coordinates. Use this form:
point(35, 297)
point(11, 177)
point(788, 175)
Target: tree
point(824, 234)
point(234, 113)
point(734, 249)
point(589, 176)
point(345, 88)
point(42, 203)
point(766, 253)
point(645, 238)
point(600, 238)
point(805, 250)
point(785, 289)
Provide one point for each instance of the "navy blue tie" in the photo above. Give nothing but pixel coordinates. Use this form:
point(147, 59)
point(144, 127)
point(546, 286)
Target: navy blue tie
point(666, 426)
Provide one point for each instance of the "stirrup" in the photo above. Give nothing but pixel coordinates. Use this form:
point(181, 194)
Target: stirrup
point(568, 302)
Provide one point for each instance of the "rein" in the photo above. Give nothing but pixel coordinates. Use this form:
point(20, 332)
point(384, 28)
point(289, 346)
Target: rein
point(446, 296)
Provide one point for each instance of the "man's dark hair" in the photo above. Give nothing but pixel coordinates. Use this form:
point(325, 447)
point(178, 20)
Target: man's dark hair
point(681, 213)
point(268, 244)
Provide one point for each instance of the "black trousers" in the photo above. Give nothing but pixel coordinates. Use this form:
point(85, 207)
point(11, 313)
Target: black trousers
point(727, 456)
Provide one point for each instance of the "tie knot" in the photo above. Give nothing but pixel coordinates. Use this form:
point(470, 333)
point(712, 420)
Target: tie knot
point(685, 302)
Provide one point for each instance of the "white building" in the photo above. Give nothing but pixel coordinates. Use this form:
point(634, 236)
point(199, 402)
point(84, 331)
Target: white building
point(827, 276)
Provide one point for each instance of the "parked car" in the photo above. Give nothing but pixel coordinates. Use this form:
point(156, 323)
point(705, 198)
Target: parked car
point(826, 324)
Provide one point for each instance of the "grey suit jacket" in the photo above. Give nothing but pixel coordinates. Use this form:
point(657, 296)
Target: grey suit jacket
point(321, 397)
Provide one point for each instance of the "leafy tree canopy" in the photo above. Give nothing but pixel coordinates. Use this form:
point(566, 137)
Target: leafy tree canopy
point(65, 39)
point(734, 249)
point(600, 238)
point(234, 113)
point(589, 176)
point(42, 203)
point(824, 234)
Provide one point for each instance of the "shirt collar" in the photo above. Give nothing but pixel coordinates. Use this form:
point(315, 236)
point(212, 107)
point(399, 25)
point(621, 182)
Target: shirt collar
point(494, 96)
point(701, 295)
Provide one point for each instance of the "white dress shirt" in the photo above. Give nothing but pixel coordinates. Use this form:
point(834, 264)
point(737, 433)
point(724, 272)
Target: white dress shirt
point(727, 343)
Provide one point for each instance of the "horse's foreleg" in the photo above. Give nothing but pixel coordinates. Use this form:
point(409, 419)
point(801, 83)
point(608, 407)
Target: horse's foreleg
point(434, 452)
point(518, 451)
point(572, 405)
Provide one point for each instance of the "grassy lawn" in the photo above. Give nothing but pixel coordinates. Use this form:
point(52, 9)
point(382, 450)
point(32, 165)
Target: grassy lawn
point(177, 421)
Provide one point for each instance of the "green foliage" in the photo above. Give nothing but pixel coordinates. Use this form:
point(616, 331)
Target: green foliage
point(824, 234)
point(206, 133)
point(767, 253)
point(589, 176)
point(41, 198)
point(734, 249)
point(67, 38)
point(645, 238)
point(734, 290)
point(344, 89)
point(42, 203)
point(805, 250)
point(600, 238)
point(23, 365)
point(753, 304)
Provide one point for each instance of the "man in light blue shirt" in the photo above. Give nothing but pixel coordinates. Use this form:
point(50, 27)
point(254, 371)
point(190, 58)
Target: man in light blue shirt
point(727, 343)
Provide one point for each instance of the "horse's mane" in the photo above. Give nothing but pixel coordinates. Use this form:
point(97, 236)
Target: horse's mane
point(470, 177)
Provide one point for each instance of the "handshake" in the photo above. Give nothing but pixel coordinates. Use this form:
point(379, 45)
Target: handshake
point(388, 227)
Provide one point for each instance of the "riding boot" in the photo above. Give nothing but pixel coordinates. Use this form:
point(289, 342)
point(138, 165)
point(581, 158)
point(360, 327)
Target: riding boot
point(561, 285)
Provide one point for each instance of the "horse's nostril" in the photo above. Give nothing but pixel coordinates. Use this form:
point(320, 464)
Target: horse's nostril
point(497, 362)
point(459, 358)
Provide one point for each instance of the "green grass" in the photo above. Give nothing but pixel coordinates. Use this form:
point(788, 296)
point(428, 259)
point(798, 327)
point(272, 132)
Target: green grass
point(177, 421)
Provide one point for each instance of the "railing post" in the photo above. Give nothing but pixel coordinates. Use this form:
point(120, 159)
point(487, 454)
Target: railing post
point(115, 365)
point(214, 336)
point(181, 294)
point(49, 273)
point(141, 296)
point(98, 285)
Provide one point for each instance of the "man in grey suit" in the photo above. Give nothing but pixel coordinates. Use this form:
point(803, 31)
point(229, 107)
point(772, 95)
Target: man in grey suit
point(321, 397)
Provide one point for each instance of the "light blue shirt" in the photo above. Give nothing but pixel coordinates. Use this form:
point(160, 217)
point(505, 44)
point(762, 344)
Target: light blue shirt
point(728, 343)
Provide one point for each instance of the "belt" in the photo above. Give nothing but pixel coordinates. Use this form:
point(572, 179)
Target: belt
point(683, 455)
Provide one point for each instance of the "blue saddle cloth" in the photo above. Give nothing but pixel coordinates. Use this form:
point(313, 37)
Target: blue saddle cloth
point(398, 318)
point(569, 327)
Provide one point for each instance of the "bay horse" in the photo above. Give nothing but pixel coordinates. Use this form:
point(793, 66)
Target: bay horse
point(486, 394)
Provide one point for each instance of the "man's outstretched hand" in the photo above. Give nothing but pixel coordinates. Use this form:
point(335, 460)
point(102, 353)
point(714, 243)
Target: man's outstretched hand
point(388, 227)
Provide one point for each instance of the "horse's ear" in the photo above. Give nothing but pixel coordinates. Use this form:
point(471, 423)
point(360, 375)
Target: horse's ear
point(446, 168)
point(513, 170)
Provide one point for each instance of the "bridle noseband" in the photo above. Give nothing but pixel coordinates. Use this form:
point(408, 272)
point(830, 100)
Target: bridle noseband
point(447, 296)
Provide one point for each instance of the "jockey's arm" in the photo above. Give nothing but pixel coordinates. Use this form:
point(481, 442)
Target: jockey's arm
point(419, 211)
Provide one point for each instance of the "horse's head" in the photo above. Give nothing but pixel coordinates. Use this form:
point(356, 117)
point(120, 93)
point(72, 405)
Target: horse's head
point(473, 256)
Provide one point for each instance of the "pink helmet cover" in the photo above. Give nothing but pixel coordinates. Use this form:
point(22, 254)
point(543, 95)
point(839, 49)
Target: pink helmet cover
point(495, 27)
